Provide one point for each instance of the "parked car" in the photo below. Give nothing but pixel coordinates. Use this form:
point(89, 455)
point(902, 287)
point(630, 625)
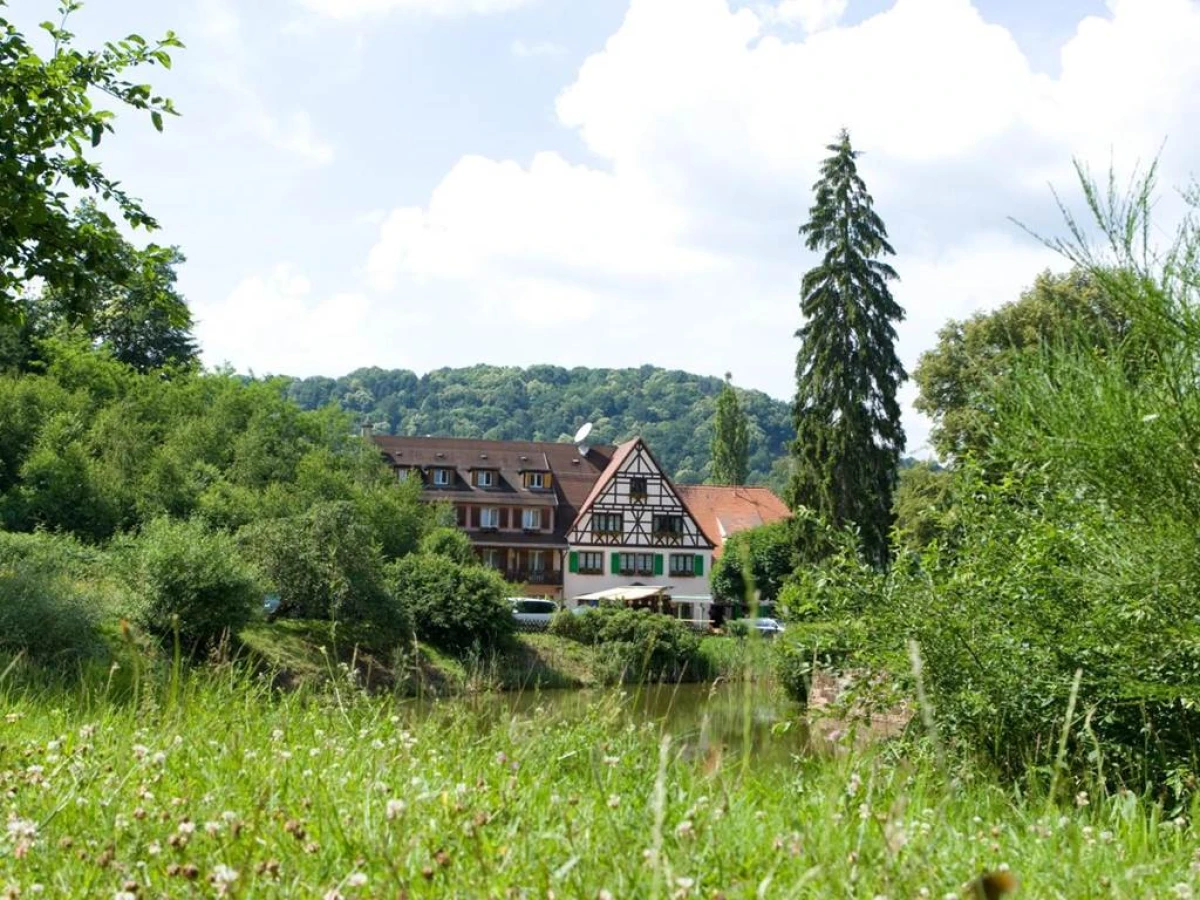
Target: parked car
point(533, 612)
point(765, 627)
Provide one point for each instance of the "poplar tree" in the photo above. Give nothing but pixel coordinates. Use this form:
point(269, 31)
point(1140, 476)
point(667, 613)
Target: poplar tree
point(731, 439)
point(848, 432)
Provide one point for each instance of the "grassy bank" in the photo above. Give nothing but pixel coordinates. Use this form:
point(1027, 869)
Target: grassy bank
point(222, 787)
point(310, 653)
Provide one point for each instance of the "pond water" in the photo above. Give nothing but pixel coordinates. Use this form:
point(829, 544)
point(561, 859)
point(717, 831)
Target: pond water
point(724, 719)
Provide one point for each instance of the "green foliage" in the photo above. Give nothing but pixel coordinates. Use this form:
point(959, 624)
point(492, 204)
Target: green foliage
point(451, 543)
point(730, 440)
point(184, 576)
point(47, 611)
point(924, 505)
point(848, 433)
point(325, 564)
point(770, 552)
point(970, 367)
point(638, 644)
point(49, 120)
point(672, 410)
point(454, 607)
point(1073, 552)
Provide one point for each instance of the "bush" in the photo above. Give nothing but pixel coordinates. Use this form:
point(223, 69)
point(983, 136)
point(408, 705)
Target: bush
point(770, 551)
point(637, 644)
point(46, 610)
point(325, 564)
point(450, 543)
point(452, 606)
point(183, 575)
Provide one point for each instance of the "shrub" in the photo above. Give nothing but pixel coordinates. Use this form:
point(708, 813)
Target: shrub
point(183, 575)
point(637, 644)
point(325, 564)
point(450, 543)
point(452, 606)
point(770, 551)
point(46, 610)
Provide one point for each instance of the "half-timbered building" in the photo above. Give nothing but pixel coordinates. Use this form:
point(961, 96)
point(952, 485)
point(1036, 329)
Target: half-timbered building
point(514, 499)
point(635, 530)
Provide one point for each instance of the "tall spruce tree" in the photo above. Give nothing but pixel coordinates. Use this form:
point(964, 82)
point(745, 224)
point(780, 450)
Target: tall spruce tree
point(731, 439)
point(848, 433)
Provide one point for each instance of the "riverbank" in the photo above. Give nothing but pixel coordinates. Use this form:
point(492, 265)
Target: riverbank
point(218, 785)
point(308, 653)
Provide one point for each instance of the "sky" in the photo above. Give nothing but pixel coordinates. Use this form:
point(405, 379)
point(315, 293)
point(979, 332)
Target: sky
point(427, 183)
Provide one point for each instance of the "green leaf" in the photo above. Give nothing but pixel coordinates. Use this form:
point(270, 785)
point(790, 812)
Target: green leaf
point(156, 118)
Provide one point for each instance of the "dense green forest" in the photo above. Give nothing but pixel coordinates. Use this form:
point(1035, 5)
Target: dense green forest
point(672, 410)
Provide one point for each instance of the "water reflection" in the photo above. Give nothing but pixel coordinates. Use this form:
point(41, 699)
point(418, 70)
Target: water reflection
point(708, 720)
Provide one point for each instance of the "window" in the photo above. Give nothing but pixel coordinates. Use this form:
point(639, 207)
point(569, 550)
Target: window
point(636, 563)
point(531, 520)
point(668, 524)
point(404, 473)
point(607, 523)
point(491, 558)
point(683, 565)
point(638, 489)
point(441, 477)
point(537, 561)
point(489, 518)
point(535, 479)
point(591, 563)
point(485, 478)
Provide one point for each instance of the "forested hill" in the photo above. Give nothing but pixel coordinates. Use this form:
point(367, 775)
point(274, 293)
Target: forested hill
point(672, 410)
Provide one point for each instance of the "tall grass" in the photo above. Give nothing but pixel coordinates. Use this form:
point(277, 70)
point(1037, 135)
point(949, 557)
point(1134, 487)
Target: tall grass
point(226, 788)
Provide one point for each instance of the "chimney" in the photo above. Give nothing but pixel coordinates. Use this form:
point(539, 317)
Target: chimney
point(366, 429)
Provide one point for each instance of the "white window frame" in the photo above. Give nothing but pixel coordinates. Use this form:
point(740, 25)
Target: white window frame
point(536, 480)
point(485, 478)
point(441, 477)
point(608, 519)
point(531, 519)
point(585, 557)
point(688, 571)
point(489, 517)
point(491, 557)
point(540, 564)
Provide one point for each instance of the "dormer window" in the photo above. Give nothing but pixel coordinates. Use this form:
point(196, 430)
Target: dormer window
point(485, 478)
point(537, 481)
point(441, 477)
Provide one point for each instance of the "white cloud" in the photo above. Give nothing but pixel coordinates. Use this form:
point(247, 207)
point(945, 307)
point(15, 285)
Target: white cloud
point(811, 15)
point(677, 244)
point(524, 50)
point(308, 333)
point(295, 136)
point(230, 67)
point(355, 9)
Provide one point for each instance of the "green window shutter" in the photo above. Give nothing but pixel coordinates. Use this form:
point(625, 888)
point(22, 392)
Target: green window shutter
point(573, 561)
point(616, 563)
point(658, 563)
point(699, 562)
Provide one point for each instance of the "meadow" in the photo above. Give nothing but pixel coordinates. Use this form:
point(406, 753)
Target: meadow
point(212, 783)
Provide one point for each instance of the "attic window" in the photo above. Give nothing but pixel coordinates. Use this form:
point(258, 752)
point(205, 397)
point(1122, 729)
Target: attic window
point(441, 477)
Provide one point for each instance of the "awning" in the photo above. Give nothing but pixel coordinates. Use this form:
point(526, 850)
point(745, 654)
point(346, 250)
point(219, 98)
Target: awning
point(626, 593)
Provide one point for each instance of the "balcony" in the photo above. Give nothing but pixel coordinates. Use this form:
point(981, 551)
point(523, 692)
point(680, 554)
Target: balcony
point(532, 576)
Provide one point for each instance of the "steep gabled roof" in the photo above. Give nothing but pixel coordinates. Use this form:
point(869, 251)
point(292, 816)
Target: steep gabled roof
point(618, 459)
point(722, 511)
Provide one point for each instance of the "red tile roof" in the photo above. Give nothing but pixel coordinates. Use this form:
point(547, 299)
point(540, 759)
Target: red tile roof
point(722, 511)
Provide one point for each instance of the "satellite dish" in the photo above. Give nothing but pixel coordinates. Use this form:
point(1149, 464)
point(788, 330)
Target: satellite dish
point(582, 434)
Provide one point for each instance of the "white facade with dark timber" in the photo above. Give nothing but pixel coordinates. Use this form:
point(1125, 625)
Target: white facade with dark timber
point(635, 529)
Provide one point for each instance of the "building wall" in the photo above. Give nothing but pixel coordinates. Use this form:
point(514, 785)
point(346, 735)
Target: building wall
point(576, 584)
